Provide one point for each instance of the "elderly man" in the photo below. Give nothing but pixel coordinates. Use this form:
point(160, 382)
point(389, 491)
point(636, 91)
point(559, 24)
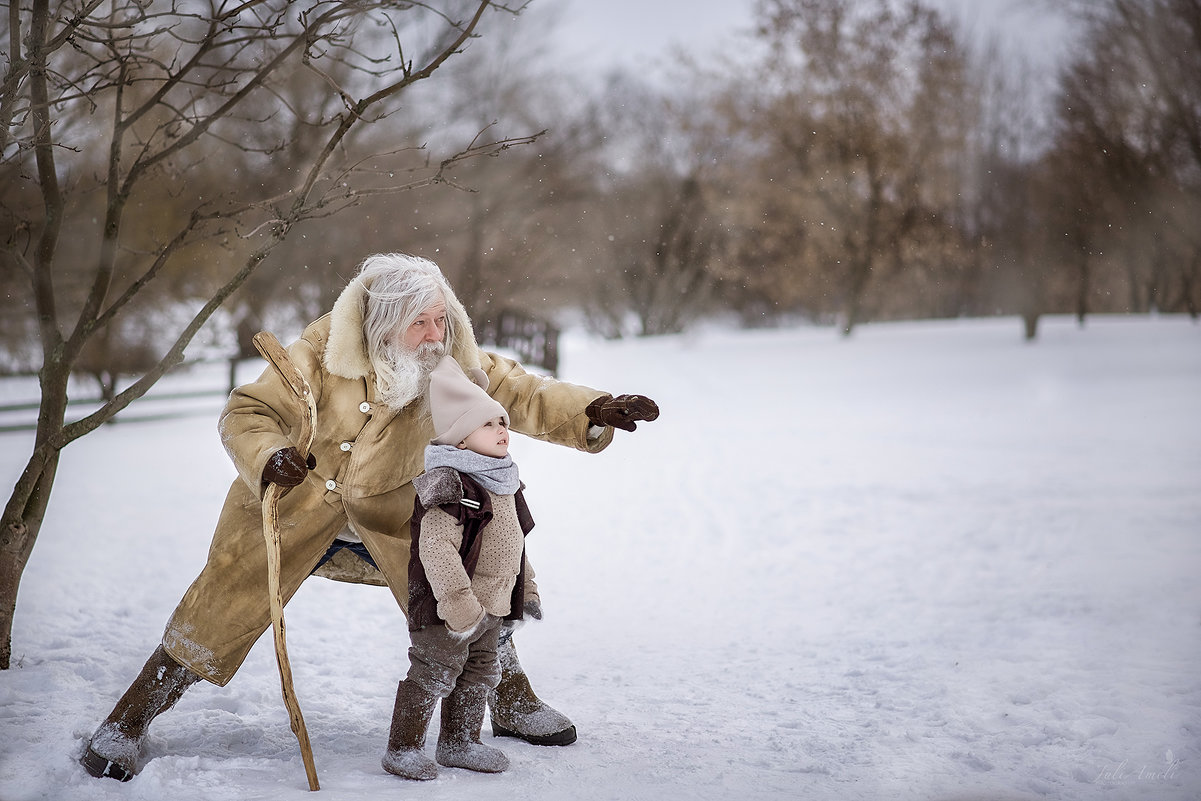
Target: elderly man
point(368, 363)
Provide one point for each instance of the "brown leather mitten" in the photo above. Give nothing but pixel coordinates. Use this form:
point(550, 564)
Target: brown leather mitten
point(286, 468)
point(622, 411)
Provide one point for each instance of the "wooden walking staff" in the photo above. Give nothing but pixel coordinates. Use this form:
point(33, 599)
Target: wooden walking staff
point(275, 354)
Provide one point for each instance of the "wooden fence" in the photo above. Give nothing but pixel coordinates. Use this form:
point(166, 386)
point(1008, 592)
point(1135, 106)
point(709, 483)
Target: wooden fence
point(535, 342)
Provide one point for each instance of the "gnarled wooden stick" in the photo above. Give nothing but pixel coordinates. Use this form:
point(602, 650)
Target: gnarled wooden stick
point(275, 354)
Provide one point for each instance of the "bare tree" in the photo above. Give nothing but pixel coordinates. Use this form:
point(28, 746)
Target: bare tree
point(659, 241)
point(1010, 204)
point(1129, 115)
point(857, 93)
point(111, 106)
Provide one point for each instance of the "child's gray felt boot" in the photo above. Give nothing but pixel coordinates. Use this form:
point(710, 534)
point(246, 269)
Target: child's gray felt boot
point(406, 739)
point(459, 743)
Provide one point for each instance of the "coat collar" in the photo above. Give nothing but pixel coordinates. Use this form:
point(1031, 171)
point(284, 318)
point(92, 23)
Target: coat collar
point(455, 493)
point(346, 351)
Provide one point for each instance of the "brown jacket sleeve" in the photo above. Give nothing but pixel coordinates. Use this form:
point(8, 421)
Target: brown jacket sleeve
point(543, 408)
point(260, 417)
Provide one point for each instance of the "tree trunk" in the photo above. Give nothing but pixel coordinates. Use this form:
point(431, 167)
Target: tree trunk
point(1132, 282)
point(852, 317)
point(1032, 301)
point(17, 538)
point(1082, 288)
point(1030, 325)
point(861, 271)
point(1188, 280)
point(26, 507)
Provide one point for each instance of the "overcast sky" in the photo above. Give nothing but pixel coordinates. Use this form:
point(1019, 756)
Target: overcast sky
point(605, 33)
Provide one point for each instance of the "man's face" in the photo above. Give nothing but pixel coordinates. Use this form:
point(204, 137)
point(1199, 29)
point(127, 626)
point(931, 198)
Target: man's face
point(429, 327)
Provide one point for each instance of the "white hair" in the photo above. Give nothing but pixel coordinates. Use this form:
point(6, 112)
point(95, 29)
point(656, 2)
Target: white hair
point(400, 288)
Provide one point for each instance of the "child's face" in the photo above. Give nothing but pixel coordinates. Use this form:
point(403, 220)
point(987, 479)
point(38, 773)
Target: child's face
point(490, 439)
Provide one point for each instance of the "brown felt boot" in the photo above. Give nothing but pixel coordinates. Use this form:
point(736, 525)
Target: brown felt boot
point(116, 745)
point(459, 743)
point(517, 712)
point(406, 740)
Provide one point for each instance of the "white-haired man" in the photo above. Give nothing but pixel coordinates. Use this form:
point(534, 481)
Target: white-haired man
point(368, 362)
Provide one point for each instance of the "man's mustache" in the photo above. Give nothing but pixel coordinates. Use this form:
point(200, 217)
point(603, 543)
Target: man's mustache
point(428, 353)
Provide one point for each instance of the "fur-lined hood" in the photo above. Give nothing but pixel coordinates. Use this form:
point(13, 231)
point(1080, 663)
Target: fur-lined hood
point(346, 351)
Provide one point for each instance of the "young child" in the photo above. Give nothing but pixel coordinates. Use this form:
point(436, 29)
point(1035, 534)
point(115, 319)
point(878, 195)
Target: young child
point(467, 575)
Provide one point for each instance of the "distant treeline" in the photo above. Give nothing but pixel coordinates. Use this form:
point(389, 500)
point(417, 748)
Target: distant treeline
point(873, 164)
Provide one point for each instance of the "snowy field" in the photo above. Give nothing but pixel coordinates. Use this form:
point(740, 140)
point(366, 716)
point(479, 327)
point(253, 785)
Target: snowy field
point(928, 562)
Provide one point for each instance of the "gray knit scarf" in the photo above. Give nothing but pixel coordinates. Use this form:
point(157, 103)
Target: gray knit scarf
point(498, 476)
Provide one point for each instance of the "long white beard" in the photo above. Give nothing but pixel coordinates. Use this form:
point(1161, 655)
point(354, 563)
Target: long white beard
point(406, 375)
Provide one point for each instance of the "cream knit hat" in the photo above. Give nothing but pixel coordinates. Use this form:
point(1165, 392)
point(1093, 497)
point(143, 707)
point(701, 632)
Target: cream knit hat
point(458, 404)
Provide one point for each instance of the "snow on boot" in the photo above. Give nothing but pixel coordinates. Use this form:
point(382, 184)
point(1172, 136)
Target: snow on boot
point(117, 743)
point(406, 740)
point(459, 743)
point(517, 712)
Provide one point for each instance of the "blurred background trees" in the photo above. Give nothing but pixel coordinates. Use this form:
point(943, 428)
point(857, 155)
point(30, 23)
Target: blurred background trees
point(1129, 115)
point(862, 120)
point(876, 163)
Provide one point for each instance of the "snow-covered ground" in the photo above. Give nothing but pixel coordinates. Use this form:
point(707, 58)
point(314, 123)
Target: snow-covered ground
point(928, 562)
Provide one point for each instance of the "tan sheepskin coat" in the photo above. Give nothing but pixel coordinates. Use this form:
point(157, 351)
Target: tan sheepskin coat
point(367, 457)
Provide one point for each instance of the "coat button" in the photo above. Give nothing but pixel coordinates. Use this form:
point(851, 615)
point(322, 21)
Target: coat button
point(364, 407)
point(346, 446)
point(331, 485)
